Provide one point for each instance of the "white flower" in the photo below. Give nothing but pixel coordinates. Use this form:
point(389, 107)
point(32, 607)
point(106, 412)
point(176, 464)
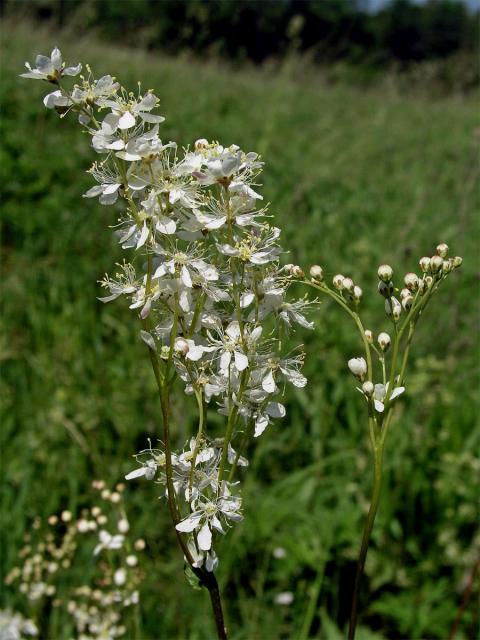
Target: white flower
point(107, 541)
point(206, 516)
point(51, 69)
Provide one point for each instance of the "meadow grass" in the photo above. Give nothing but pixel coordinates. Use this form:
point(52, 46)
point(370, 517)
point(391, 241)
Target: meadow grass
point(355, 178)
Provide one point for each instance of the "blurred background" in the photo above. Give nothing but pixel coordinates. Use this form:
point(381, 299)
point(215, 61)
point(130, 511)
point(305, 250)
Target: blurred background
point(366, 114)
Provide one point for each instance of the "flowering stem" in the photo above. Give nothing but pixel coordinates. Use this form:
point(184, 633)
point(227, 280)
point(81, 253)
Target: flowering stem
point(372, 512)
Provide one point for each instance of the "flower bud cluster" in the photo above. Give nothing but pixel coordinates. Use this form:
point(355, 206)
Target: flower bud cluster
point(96, 608)
point(205, 280)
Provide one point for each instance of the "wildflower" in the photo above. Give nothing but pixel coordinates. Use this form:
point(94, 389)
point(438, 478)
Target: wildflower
point(107, 541)
point(207, 514)
point(316, 272)
point(50, 69)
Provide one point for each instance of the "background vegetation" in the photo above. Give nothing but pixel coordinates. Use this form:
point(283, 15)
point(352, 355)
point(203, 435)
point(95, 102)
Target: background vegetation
point(355, 177)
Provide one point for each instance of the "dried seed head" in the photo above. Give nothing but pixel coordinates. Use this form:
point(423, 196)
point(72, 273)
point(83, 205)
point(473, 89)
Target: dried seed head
point(369, 336)
point(358, 367)
point(436, 263)
point(442, 250)
point(411, 281)
point(384, 341)
point(368, 388)
point(316, 272)
point(338, 281)
point(385, 272)
point(385, 289)
point(424, 264)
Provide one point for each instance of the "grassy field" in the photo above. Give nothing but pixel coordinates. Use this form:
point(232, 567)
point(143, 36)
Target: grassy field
point(354, 178)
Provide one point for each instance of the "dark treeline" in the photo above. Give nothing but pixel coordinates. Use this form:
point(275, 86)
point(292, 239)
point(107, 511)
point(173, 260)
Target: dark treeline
point(330, 30)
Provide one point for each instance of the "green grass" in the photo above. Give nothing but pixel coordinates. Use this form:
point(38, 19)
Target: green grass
point(354, 179)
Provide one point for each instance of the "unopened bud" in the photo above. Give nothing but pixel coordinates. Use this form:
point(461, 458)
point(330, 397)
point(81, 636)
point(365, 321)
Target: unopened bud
point(428, 281)
point(424, 264)
point(393, 308)
point(357, 293)
point(385, 289)
point(358, 367)
point(436, 263)
point(411, 281)
point(369, 336)
point(297, 272)
point(384, 341)
point(181, 346)
point(442, 250)
point(316, 272)
point(407, 302)
point(368, 388)
point(348, 285)
point(447, 266)
point(457, 262)
point(338, 281)
point(404, 293)
point(201, 143)
point(421, 287)
point(385, 272)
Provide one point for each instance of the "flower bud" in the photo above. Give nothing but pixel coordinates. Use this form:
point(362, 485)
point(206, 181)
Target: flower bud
point(123, 525)
point(289, 267)
point(201, 143)
point(385, 289)
point(436, 263)
point(348, 285)
point(447, 266)
point(411, 281)
point(357, 293)
point(457, 262)
point(405, 293)
point(369, 336)
point(428, 281)
point(393, 308)
point(316, 272)
point(442, 250)
point(384, 341)
point(368, 388)
point(407, 302)
point(338, 281)
point(385, 272)
point(358, 367)
point(424, 264)
point(297, 272)
point(181, 346)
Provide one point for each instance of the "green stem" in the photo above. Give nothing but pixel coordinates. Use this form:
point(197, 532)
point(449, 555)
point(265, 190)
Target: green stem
point(353, 315)
point(372, 512)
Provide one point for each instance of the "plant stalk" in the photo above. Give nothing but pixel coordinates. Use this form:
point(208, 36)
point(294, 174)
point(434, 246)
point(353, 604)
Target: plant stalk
point(367, 531)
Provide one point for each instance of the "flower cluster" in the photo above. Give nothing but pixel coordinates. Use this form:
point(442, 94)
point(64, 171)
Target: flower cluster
point(403, 310)
point(13, 626)
point(97, 607)
point(205, 281)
